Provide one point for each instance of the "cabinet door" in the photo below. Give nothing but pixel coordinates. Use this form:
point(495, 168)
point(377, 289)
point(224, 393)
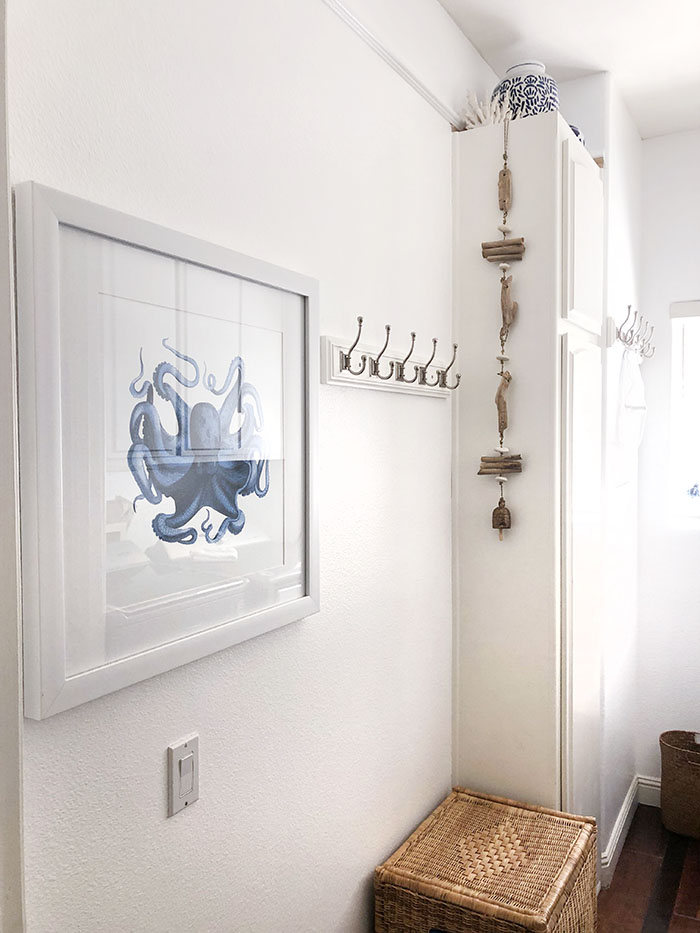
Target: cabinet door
point(581, 595)
point(583, 226)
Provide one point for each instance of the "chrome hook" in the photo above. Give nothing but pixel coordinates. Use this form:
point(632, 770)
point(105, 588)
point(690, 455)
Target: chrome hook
point(345, 358)
point(622, 326)
point(442, 374)
point(645, 347)
point(647, 340)
point(374, 363)
point(400, 367)
point(423, 370)
point(644, 332)
point(627, 337)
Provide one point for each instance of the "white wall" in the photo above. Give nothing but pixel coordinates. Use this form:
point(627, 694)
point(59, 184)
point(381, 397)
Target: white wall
point(585, 103)
point(669, 590)
point(270, 128)
point(10, 706)
point(423, 36)
point(507, 688)
point(624, 225)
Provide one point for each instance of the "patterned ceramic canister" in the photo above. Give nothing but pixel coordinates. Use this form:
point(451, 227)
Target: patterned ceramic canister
point(577, 133)
point(529, 88)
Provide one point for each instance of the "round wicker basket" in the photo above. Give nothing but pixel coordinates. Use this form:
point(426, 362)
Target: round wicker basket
point(680, 782)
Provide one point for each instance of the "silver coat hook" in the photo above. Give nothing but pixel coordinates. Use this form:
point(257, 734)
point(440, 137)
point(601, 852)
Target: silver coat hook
point(622, 326)
point(636, 327)
point(442, 374)
point(423, 370)
point(345, 358)
point(644, 331)
point(374, 363)
point(400, 367)
point(627, 336)
point(638, 334)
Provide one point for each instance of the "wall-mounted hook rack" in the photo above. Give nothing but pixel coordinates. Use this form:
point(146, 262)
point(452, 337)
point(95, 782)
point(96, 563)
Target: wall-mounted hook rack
point(637, 335)
point(429, 378)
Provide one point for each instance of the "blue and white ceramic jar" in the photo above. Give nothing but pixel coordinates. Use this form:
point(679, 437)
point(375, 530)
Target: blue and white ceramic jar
point(530, 90)
point(577, 133)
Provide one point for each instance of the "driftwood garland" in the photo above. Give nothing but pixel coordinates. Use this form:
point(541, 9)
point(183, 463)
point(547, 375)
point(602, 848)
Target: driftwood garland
point(504, 252)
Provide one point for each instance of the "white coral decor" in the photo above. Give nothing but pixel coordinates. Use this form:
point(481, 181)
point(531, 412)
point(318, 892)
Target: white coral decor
point(477, 113)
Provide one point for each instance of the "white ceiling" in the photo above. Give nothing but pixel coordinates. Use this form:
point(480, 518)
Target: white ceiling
point(651, 47)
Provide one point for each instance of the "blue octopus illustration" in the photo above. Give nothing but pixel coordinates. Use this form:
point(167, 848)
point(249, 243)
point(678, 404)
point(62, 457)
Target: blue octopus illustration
point(205, 465)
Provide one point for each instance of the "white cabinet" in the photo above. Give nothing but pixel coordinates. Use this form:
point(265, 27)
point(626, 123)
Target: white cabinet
point(526, 697)
point(583, 234)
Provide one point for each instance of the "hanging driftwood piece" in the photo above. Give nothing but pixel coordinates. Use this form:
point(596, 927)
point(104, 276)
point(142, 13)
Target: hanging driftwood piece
point(502, 404)
point(504, 257)
point(504, 252)
point(493, 466)
point(509, 308)
point(504, 243)
point(505, 190)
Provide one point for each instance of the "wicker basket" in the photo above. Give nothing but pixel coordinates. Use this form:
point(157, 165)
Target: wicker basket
point(680, 783)
point(482, 864)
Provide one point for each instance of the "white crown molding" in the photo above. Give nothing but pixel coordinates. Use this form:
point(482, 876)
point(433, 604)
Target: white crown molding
point(408, 76)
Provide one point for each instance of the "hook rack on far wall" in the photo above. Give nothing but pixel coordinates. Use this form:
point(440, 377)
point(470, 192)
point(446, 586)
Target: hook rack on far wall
point(366, 368)
point(637, 334)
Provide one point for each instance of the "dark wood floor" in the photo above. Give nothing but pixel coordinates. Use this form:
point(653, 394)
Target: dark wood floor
point(656, 887)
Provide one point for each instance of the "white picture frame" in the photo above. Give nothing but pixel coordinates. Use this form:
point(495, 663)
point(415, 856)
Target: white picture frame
point(61, 245)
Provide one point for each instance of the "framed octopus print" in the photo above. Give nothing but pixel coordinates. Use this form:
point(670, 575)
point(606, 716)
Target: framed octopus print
point(167, 399)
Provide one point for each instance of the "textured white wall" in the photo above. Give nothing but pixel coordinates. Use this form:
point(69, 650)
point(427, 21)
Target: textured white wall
point(623, 172)
point(423, 35)
point(585, 103)
point(669, 590)
point(507, 726)
point(10, 674)
point(268, 127)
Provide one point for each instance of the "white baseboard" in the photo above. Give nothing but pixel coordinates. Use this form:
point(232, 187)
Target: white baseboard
point(644, 790)
point(611, 852)
point(649, 791)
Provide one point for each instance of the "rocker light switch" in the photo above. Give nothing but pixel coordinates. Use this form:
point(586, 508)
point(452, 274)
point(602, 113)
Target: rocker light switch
point(183, 774)
point(186, 775)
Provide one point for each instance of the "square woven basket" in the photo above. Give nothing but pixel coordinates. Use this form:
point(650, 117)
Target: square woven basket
point(481, 864)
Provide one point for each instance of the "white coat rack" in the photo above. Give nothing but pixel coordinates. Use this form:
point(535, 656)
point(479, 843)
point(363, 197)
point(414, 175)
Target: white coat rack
point(369, 368)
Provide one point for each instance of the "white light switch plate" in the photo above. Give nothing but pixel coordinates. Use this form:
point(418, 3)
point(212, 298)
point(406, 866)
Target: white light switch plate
point(183, 774)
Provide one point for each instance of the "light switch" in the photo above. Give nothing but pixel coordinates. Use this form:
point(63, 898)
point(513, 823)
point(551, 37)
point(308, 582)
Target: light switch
point(183, 774)
point(186, 775)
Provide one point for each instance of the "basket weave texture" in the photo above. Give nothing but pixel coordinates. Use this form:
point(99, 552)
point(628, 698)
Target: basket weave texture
point(680, 783)
point(481, 864)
